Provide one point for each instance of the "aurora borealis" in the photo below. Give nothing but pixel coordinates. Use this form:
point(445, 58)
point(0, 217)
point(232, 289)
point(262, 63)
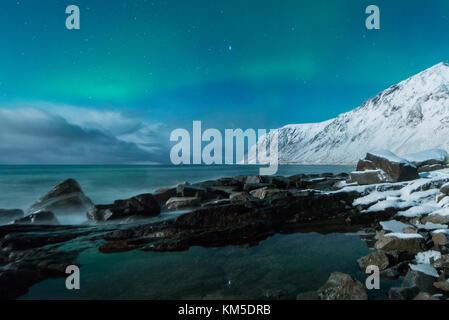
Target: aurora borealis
point(151, 66)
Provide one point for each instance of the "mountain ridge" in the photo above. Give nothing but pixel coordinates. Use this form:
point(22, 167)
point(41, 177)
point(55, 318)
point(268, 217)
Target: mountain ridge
point(407, 117)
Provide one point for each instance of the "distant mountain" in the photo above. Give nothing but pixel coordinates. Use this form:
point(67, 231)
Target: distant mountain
point(405, 118)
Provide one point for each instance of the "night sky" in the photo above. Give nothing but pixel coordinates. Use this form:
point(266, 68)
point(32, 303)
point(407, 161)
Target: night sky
point(112, 91)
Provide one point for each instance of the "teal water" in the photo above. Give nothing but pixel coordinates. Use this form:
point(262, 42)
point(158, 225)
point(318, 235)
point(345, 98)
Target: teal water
point(288, 263)
point(20, 186)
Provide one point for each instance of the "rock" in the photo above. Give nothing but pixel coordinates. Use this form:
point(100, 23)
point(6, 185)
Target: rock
point(144, 205)
point(65, 198)
point(436, 218)
point(442, 285)
point(163, 194)
point(177, 203)
point(440, 238)
point(9, 215)
point(396, 169)
point(441, 197)
point(408, 243)
point(240, 196)
point(249, 179)
point(265, 192)
point(425, 296)
point(430, 167)
point(419, 280)
point(428, 158)
point(402, 293)
point(341, 286)
point(368, 177)
point(39, 218)
point(187, 190)
point(443, 262)
point(377, 258)
point(445, 189)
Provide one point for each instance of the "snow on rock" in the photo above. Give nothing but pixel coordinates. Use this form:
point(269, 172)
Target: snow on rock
point(417, 211)
point(394, 226)
point(431, 156)
point(374, 197)
point(431, 226)
point(400, 235)
point(424, 268)
point(441, 212)
point(388, 155)
point(426, 256)
point(406, 118)
point(441, 231)
point(389, 204)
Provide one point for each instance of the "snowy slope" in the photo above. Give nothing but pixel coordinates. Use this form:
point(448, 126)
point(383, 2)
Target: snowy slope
point(406, 118)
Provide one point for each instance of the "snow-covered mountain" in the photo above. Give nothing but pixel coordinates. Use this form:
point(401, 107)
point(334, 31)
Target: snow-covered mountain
point(408, 117)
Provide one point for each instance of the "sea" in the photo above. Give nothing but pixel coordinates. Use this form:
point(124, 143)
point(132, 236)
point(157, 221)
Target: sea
point(281, 266)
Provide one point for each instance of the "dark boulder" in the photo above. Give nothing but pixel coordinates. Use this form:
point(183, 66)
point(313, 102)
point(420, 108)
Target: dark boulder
point(65, 198)
point(39, 218)
point(394, 168)
point(144, 205)
point(419, 280)
point(341, 286)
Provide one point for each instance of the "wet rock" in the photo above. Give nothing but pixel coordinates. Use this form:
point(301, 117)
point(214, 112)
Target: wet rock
point(39, 218)
point(396, 169)
point(419, 280)
point(163, 194)
point(341, 286)
point(8, 215)
point(144, 205)
point(440, 238)
point(442, 285)
point(265, 192)
point(65, 198)
point(403, 293)
point(409, 243)
point(377, 258)
point(240, 196)
point(177, 203)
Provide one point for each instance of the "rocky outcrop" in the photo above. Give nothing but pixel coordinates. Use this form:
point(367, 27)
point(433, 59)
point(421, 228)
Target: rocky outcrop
point(141, 206)
point(341, 286)
point(385, 166)
point(407, 243)
point(377, 258)
point(65, 198)
point(177, 203)
point(9, 215)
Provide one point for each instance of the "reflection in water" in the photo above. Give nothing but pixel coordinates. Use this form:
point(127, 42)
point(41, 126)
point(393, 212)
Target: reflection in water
point(287, 263)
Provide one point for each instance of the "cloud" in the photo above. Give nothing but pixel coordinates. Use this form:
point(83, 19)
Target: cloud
point(75, 135)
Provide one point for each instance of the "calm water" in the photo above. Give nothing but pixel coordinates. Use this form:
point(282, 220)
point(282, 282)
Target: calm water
point(20, 186)
point(288, 263)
